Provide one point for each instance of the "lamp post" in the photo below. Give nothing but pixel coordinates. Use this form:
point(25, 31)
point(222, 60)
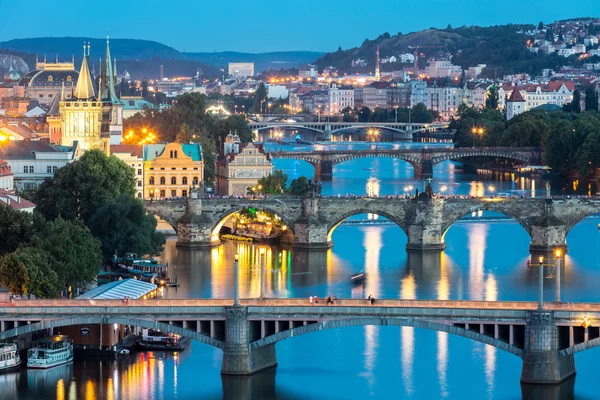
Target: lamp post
point(236, 298)
point(558, 255)
point(262, 272)
point(541, 284)
point(492, 189)
point(396, 119)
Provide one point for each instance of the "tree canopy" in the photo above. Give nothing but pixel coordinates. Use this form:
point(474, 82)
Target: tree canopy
point(272, 184)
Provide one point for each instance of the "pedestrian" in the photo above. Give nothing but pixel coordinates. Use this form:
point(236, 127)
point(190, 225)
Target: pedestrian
point(311, 299)
point(369, 298)
point(372, 300)
point(316, 300)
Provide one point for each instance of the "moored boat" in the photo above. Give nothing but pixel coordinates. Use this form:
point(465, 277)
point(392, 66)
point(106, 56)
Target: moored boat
point(9, 357)
point(50, 352)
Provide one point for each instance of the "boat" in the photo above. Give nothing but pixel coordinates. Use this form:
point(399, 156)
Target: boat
point(9, 357)
point(153, 339)
point(358, 278)
point(50, 352)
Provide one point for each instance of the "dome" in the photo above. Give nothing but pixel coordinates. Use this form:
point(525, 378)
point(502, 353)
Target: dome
point(11, 75)
point(49, 77)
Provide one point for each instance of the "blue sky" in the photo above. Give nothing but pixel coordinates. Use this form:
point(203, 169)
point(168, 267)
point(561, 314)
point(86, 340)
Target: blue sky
point(269, 25)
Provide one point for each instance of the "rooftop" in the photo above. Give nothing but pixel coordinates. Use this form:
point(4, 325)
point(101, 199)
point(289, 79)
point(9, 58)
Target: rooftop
point(131, 288)
point(152, 151)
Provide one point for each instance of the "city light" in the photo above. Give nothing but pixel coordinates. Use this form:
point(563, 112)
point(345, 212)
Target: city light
point(444, 189)
point(492, 189)
point(145, 136)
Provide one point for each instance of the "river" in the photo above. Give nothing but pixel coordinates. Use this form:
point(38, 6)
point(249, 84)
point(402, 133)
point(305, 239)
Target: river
point(484, 260)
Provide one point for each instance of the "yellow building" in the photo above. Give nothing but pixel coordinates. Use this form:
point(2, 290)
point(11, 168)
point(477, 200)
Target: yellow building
point(170, 169)
point(241, 167)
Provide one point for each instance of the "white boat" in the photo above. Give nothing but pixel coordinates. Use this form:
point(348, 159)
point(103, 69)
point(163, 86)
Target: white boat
point(9, 357)
point(50, 352)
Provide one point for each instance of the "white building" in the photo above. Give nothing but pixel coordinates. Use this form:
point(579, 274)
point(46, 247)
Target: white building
point(566, 52)
point(515, 104)
point(595, 52)
point(132, 155)
point(308, 71)
point(6, 176)
point(277, 92)
point(419, 94)
point(407, 58)
point(241, 69)
point(340, 98)
point(536, 94)
point(33, 161)
point(579, 48)
point(443, 69)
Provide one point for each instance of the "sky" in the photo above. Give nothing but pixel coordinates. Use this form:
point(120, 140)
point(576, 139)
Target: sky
point(269, 25)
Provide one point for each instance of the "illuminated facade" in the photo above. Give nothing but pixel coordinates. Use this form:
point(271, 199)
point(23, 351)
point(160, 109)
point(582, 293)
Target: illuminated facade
point(45, 83)
point(241, 167)
point(171, 169)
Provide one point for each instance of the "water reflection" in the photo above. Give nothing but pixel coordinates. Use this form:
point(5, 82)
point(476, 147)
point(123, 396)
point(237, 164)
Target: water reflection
point(442, 362)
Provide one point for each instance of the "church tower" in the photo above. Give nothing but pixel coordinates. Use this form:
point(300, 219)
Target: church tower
point(107, 92)
point(85, 117)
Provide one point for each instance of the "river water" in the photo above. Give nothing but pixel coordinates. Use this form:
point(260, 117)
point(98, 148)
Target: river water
point(484, 260)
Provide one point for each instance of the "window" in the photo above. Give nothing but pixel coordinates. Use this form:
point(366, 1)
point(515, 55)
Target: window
point(151, 180)
point(162, 193)
point(173, 193)
point(28, 169)
point(69, 78)
point(49, 169)
point(184, 180)
point(139, 183)
point(173, 181)
point(173, 154)
point(139, 195)
point(139, 171)
point(50, 78)
point(41, 96)
point(162, 180)
point(151, 169)
point(184, 193)
point(195, 180)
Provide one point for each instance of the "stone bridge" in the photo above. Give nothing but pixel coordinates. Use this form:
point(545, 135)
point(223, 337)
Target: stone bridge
point(546, 339)
point(401, 130)
point(424, 220)
point(423, 160)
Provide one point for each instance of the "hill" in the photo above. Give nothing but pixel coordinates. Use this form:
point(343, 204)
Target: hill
point(142, 58)
point(262, 61)
point(500, 47)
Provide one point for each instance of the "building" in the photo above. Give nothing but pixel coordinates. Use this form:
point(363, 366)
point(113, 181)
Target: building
point(536, 94)
point(340, 98)
point(132, 155)
point(47, 80)
point(240, 167)
point(418, 93)
point(17, 131)
point(375, 95)
point(170, 169)
point(308, 71)
point(443, 69)
point(95, 120)
point(515, 104)
point(6, 176)
point(277, 92)
point(399, 95)
point(241, 69)
point(133, 105)
point(406, 58)
point(9, 198)
point(32, 161)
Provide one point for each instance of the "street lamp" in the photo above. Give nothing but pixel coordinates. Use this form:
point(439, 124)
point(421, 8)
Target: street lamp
point(541, 284)
point(444, 189)
point(492, 189)
point(558, 254)
point(396, 119)
point(236, 298)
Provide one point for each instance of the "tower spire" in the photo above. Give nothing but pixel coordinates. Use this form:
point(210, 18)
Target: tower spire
point(108, 76)
point(84, 89)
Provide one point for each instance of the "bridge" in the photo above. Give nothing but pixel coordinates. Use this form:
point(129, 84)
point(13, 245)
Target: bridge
point(545, 338)
point(423, 160)
point(424, 220)
point(401, 130)
point(275, 117)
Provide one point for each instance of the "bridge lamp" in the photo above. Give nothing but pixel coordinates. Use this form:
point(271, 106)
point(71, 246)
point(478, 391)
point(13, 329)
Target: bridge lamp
point(586, 323)
point(541, 260)
point(492, 189)
point(444, 189)
point(557, 253)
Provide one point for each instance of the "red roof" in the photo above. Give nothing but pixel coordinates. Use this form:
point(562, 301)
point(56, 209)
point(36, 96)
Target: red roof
point(133, 149)
point(516, 96)
point(9, 198)
point(4, 169)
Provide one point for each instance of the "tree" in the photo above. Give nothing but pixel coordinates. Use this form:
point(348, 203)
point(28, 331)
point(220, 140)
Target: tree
point(123, 225)
point(491, 100)
point(591, 99)
point(82, 187)
point(363, 114)
point(540, 26)
point(27, 270)
point(260, 99)
point(16, 227)
point(74, 254)
point(298, 186)
point(576, 103)
point(420, 113)
point(272, 184)
point(588, 159)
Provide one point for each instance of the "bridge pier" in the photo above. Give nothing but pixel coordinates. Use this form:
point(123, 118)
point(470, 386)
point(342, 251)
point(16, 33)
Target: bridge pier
point(548, 233)
point(195, 231)
point(324, 171)
point(423, 170)
point(542, 363)
point(310, 231)
point(424, 227)
point(238, 357)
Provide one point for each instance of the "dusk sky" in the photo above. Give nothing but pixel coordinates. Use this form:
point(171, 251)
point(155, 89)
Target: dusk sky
point(270, 25)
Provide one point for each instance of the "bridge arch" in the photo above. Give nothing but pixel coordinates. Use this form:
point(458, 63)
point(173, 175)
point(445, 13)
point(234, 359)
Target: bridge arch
point(415, 323)
point(223, 217)
point(96, 320)
point(286, 126)
point(365, 126)
point(451, 218)
point(572, 223)
point(343, 217)
point(490, 153)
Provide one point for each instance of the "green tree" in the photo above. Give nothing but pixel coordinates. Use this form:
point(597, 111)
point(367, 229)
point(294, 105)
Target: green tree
point(123, 225)
point(187, 135)
point(16, 227)
point(491, 100)
point(364, 114)
point(75, 254)
point(28, 270)
point(272, 184)
point(576, 103)
point(82, 187)
point(260, 99)
point(591, 99)
point(420, 113)
point(540, 26)
point(298, 186)
point(588, 159)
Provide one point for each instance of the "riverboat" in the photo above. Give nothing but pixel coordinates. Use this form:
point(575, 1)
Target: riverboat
point(358, 278)
point(9, 357)
point(50, 352)
point(155, 340)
